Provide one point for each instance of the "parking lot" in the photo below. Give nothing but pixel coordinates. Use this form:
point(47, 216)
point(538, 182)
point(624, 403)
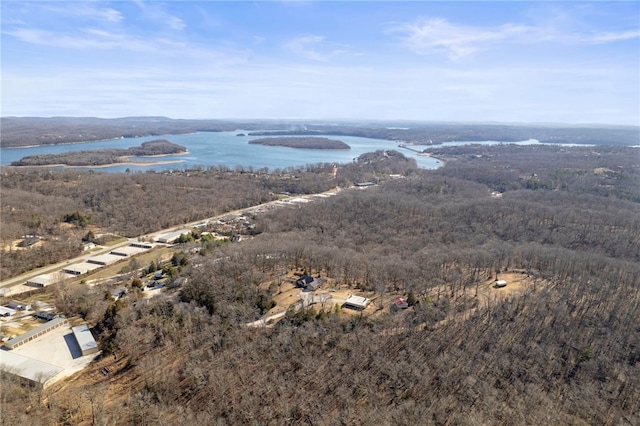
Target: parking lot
point(60, 348)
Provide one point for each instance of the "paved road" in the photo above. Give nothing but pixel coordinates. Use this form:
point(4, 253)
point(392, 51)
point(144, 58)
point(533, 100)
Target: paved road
point(10, 285)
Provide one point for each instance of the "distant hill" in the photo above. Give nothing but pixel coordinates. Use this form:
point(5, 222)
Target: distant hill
point(33, 131)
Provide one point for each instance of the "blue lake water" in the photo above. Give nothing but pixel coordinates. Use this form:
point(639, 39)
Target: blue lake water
point(225, 149)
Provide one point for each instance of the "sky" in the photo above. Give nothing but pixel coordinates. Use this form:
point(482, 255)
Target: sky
point(505, 61)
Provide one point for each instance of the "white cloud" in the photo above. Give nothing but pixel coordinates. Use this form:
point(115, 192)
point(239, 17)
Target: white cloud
point(439, 36)
point(156, 13)
point(313, 47)
point(86, 11)
point(93, 39)
point(305, 46)
point(608, 37)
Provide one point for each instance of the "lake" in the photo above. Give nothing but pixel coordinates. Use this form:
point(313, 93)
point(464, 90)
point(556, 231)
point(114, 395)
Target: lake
point(225, 149)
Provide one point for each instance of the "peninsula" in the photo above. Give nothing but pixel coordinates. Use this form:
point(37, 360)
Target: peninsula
point(102, 157)
point(301, 142)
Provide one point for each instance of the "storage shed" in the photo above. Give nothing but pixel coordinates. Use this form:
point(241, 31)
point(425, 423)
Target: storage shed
point(142, 245)
point(171, 236)
point(85, 339)
point(41, 280)
point(127, 251)
point(34, 333)
point(105, 259)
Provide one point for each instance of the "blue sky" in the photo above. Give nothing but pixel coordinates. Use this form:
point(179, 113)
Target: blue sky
point(572, 62)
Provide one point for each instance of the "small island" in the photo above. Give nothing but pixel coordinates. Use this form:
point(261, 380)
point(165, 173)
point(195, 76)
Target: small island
point(103, 157)
point(302, 142)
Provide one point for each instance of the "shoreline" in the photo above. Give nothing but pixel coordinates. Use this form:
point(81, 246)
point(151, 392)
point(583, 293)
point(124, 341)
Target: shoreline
point(102, 166)
point(125, 162)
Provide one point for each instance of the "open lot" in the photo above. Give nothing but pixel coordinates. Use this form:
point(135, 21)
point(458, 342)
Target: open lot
point(60, 348)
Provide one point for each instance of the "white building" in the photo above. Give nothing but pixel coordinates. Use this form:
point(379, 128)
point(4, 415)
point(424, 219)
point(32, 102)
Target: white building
point(6, 312)
point(357, 302)
point(85, 339)
point(80, 268)
point(171, 236)
point(104, 259)
point(42, 280)
point(32, 370)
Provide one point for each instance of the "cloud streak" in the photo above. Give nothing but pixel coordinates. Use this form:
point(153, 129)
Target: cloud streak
point(311, 47)
point(440, 36)
point(155, 13)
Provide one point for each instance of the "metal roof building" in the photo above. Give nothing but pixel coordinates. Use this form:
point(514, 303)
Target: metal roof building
point(85, 339)
point(127, 251)
point(142, 244)
point(80, 268)
point(357, 302)
point(35, 371)
point(34, 333)
point(104, 259)
point(41, 280)
point(171, 236)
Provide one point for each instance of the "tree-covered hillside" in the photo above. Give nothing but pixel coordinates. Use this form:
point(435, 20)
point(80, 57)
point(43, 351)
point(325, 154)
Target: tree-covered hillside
point(561, 348)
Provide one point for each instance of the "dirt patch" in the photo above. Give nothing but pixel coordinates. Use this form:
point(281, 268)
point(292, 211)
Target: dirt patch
point(517, 282)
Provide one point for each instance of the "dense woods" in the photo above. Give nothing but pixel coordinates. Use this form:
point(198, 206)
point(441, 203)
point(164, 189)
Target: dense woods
point(36, 201)
point(301, 142)
point(566, 350)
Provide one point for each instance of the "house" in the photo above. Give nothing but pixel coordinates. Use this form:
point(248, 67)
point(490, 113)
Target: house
point(118, 293)
point(309, 283)
point(400, 303)
point(356, 302)
point(47, 316)
point(500, 284)
point(28, 241)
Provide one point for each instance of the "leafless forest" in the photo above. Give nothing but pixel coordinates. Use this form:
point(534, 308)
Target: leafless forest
point(564, 351)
